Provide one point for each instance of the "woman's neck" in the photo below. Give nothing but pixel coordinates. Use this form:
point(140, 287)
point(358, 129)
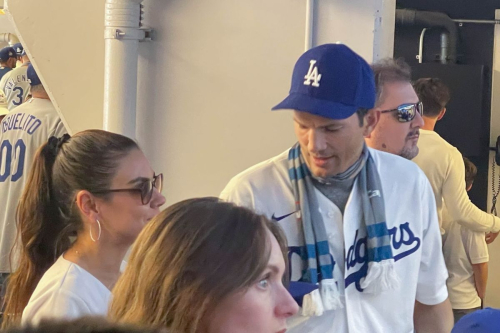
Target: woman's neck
point(102, 259)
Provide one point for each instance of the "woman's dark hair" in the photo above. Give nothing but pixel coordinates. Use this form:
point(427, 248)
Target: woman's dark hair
point(188, 259)
point(47, 214)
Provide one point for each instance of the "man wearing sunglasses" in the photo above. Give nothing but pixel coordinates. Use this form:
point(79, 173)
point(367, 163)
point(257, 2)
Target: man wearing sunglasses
point(398, 129)
point(443, 164)
point(361, 224)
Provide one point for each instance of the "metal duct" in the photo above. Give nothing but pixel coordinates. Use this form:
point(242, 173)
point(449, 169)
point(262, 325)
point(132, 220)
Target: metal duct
point(410, 17)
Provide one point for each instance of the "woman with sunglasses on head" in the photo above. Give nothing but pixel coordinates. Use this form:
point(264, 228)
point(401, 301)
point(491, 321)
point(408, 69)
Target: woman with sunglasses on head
point(88, 198)
point(208, 266)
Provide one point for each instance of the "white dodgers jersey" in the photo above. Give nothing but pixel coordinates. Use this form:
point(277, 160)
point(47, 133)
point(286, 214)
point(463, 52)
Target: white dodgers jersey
point(22, 132)
point(15, 86)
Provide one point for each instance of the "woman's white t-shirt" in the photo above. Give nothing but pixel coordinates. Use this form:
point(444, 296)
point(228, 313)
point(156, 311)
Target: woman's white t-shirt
point(66, 291)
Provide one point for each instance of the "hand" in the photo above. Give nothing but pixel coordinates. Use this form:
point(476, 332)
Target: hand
point(490, 237)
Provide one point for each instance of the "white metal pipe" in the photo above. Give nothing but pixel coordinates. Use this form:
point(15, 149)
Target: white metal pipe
point(122, 34)
point(421, 46)
point(309, 35)
point(9, 38)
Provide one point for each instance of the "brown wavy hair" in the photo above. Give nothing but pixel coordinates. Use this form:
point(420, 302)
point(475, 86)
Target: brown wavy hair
point(433, 94)
point(47, 216)
point(188, 259)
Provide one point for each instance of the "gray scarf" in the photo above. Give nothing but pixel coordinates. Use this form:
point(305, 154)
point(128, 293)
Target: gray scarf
point(319, 263)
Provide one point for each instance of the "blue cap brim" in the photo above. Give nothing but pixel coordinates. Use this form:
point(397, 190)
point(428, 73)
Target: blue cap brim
point(319, 107)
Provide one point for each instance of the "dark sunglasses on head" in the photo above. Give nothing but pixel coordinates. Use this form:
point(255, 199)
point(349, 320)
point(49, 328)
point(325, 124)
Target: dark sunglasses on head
point(407, 112)
point(146, 189)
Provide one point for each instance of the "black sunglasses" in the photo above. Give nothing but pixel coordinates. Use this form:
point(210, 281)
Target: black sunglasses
point(146, 189)
point(407, 112)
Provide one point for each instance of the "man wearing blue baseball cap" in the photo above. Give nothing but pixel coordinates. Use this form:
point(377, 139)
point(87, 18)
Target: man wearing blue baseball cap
point(15, 85)
point(18, 47)
point(8, 60)
point(22, 132)
point(361, 224)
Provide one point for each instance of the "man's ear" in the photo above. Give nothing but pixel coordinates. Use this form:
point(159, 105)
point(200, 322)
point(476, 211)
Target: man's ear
point(371, 120)
point(441, 114)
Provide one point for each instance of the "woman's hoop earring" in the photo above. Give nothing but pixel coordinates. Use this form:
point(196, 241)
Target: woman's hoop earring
point(99, 236)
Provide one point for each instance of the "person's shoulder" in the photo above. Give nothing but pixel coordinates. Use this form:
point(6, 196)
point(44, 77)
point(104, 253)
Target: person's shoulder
point(63, 292)
point(67, 277)
point(396, 169)
point(384, 159)
point(432, 138)
point(79, 282)
point(38, 107)
point(18, 70)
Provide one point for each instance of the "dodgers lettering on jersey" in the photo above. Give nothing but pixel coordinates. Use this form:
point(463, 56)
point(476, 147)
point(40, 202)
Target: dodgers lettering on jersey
point(403, 240)
point(21, 121)
point(356, 258)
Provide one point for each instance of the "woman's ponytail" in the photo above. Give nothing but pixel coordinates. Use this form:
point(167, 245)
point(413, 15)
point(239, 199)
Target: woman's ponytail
point(39, 227)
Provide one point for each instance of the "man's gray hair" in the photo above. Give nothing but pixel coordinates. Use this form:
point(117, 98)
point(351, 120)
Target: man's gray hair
point(38, 89)
point(389, 70)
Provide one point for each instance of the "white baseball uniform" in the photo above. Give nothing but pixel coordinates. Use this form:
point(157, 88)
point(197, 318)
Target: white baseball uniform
point(413, 226)
point(15, 86)
point(22, 132)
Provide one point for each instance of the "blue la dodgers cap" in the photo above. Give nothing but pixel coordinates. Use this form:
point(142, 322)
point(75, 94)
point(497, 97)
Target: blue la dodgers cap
point(32, 76)
point(6, 53)
point(481, 321)
point(330, 81)
point(19, 49)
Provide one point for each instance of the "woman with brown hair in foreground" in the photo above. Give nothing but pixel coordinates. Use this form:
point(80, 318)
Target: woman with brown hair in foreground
point(203, 265)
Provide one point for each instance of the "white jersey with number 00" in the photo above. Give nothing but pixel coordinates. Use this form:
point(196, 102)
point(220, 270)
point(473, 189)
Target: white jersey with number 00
point(15, 86)
point(22, 132)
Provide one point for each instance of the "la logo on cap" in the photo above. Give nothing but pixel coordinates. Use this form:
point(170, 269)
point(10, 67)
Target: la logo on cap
point(312, 77)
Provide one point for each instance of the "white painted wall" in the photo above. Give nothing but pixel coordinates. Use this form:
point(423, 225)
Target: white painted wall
point(65, 42)
point(206, 84)
point(493, 288)
point(6, 26)
point(366, 26)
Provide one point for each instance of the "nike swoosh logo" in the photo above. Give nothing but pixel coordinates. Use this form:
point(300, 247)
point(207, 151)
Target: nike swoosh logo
point(279, 218)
